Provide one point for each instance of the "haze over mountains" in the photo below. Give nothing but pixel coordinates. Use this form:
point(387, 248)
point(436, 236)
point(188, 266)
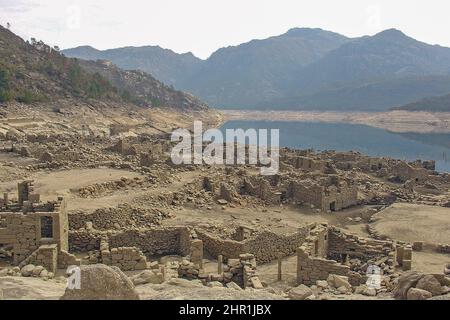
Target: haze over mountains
point(303, 69)
point(433, 104)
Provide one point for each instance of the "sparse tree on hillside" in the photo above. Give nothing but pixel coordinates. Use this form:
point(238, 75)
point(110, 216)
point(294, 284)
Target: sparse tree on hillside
point(8, 25)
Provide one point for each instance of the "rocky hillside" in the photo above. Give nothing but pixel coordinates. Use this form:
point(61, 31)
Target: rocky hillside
point(34, 72)
point(141, 88)
point(433, 104)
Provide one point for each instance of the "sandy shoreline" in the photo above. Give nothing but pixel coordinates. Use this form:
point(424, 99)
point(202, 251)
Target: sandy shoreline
point(395, 121)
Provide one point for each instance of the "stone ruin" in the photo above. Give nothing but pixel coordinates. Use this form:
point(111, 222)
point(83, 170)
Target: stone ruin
point(38, 233)
point(328, 250)
point(147, 149)
point(326, 193)
point(34, 231)
point(394, 170)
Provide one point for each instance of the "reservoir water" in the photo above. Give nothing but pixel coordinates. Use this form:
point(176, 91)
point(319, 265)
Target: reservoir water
point(353, 137)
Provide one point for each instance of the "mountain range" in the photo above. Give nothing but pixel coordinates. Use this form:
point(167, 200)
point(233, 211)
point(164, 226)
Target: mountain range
point(303, 69)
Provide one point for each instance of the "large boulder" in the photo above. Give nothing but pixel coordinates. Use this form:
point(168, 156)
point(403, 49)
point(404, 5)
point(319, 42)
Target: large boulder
point(405, 282)
point(37, 271)
point(27, 270)
point(337, 281)
point(322, 284)
point(101, 282)
point(369, 291)
point(430, 284)
point(300, 293)
point(418, 294)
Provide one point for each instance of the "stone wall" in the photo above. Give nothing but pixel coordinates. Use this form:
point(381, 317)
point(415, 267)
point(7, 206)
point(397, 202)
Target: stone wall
point(51, 258)
point(404, 172)
point(443, 248)
point(84, 240)
point(216, 246)
point(45, 255)
point(117, 218)
point(125, 258)
point(326, 198)
point(308, 164)
point(265, 245)
point(310, 268)
point(338, 198)
point(312, 264)
point(341, 243)
point(66, 259)
point(98, 189)
point(22, 232)
point(307, 191)
point(155, 241)
point(318, 256)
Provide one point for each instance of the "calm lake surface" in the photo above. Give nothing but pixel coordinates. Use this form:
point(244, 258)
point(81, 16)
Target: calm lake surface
point(367, 140)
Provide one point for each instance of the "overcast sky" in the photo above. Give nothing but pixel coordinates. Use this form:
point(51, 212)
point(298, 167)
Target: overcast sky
point(203, 26)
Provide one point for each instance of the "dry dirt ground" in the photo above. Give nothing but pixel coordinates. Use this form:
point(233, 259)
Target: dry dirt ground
point(21, 288)
point(410, 222)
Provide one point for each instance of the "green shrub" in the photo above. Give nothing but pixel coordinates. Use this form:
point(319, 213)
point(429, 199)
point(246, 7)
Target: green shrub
point(5, 90)
point(155, 102)
point(27, 97)
point(98, 86)
point(75, 77)
point(5, 96)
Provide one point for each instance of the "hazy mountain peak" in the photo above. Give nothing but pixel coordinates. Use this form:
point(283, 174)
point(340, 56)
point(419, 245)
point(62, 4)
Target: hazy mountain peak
point(392, 32)
point(392, 35)
point(301, 30)
point(86, 47)
point(309, 32)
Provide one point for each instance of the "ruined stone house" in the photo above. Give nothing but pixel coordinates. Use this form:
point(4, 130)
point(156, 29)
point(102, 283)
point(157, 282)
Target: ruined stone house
point(329, 197)
point(34, 231)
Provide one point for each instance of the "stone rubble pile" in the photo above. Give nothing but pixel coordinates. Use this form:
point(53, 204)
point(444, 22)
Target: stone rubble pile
point(29, 270)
